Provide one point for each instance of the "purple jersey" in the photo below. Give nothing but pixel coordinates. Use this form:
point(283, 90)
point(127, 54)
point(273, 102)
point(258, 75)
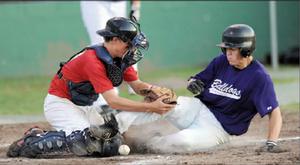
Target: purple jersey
point(234, 96)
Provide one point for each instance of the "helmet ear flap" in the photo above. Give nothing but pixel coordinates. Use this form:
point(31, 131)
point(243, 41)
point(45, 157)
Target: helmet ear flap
point(245, 52)
point(223, 50)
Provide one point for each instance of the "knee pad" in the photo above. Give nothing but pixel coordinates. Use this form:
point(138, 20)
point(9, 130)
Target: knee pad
point(111, 146)
point(76, 142)
point(81, 143)
point(106, 130)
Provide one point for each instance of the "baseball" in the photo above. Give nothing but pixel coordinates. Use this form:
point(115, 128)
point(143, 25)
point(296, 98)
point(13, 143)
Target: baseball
point(124, 149)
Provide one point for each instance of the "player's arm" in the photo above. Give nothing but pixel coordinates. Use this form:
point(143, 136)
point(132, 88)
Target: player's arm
point(275, 123)
point(136, 4)
point(139, 85)
point(120, 103)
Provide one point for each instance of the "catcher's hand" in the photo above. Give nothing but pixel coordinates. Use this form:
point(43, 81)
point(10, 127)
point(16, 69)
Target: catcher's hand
point(272, 147)
point(156, 92)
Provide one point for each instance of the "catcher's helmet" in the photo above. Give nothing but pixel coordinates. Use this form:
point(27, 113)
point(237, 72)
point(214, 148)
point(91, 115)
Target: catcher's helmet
point(238, 36)
point(128, 30)
point(120, 27)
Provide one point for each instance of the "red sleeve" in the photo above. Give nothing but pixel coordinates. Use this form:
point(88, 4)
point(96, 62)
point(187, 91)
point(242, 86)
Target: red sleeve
point(130, 74)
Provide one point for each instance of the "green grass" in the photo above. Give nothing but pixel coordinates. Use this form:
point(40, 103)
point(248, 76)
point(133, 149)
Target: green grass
point(284, 80)
point(290, 107)
point(25, 95)
point(183, 73)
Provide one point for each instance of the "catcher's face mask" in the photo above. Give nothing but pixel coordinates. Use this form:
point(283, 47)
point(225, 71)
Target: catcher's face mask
point(137, 48)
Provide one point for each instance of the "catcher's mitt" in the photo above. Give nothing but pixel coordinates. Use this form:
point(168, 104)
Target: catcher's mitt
point(156, 92)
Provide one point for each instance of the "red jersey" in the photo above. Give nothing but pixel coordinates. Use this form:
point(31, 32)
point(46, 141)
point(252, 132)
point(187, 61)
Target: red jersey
point(86, 67)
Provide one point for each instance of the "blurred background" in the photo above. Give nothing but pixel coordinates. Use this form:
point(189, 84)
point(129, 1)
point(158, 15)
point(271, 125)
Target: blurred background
point(36, 36)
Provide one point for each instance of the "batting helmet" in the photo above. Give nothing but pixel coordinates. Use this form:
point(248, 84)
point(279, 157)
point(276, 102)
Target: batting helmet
point(238, 36)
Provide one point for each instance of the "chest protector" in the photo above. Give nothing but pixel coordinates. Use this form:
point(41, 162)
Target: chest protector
point(83, 93)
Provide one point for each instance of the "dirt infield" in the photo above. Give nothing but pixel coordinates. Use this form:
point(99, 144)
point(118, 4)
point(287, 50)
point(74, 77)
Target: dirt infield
point(241, 150)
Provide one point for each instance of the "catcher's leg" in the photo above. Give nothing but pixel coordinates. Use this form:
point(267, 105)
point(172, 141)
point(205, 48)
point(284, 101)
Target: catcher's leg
point(98, 140)
point(81, 143)
point(36, 142)
point(15, 148)
point(111, 146)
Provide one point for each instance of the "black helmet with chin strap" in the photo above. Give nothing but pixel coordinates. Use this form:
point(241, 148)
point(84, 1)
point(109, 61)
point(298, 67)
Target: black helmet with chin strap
point(128, 30)
point(238, 36)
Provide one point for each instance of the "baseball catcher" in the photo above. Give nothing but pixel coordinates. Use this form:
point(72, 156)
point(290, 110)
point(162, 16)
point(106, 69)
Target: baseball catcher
point(71, 106)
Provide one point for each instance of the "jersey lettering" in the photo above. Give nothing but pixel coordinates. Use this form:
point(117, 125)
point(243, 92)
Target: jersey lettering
point(224, 89)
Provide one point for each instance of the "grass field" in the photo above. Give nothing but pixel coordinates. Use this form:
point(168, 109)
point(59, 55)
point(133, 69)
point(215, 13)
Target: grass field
point(20, 96)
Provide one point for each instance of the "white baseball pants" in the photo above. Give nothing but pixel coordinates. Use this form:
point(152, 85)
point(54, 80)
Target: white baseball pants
point(199, 129)
point(95, 14)
point(64, 115)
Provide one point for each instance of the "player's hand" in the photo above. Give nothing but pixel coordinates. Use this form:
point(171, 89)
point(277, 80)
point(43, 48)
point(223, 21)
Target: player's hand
point(195, 86)
point(160, 107)
point(272, 147)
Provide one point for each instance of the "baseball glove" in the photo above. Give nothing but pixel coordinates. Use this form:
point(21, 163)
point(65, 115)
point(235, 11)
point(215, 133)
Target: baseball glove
point(156, 92)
